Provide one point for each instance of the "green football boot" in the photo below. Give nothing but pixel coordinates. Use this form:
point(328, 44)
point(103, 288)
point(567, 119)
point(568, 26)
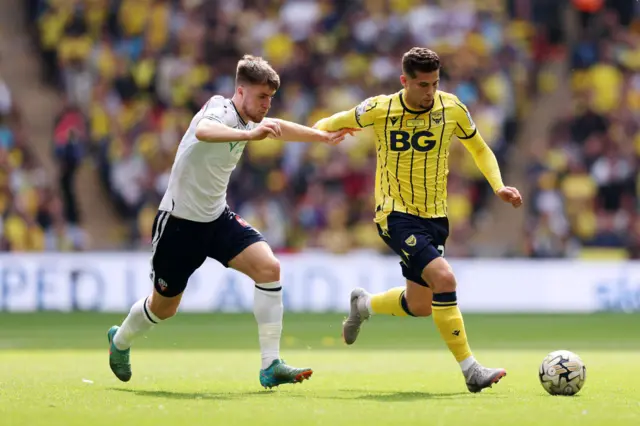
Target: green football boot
point(280, 373)
point(118, 360)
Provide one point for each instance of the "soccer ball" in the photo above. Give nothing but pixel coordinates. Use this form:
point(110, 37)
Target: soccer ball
point(562, 373)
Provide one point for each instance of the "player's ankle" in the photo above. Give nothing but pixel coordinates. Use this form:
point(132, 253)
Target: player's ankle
point(364, 305)
point(467, 363)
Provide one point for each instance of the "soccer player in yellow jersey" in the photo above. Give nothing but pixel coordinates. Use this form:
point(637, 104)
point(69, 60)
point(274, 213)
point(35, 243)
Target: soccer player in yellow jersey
point(414, 128)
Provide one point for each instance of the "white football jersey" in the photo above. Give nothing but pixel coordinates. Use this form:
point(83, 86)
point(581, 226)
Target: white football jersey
point(200, 174)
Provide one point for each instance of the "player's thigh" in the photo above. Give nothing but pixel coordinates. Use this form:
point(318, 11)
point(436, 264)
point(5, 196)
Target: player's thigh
point(415, 240)
point(258, 262)
point(240, 246)
point(178, 249)
point(419, 298)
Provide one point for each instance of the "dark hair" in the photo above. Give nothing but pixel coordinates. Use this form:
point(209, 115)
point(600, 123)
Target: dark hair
point(420, 59)
point(255, 70)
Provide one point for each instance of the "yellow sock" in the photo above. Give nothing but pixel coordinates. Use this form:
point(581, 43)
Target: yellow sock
point(448, 319)
point(391, 302)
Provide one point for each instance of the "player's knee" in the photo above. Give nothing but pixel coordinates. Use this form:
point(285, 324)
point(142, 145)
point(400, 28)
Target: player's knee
point(442, 280)
point(268, 271)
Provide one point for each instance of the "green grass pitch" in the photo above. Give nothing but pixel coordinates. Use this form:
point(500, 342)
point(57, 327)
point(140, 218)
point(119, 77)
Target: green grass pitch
point(203, 370)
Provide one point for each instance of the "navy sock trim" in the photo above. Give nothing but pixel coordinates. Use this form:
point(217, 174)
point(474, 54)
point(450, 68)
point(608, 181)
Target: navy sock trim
point(405, 305)
point(144, 306)
point(445, 299)
point(268, 289)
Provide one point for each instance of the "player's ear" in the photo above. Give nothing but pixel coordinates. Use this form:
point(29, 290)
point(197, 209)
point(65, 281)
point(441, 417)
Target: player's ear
point(403, 80)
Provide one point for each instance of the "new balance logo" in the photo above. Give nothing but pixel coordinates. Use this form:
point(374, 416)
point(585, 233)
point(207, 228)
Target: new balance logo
point(456, 333)
point(394, 120)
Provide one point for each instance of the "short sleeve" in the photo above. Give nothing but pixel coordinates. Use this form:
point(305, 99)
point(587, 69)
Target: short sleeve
point(465, 127)
point(217, 110)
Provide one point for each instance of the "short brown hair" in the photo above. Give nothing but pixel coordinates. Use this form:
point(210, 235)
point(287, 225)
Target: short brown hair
point(420, 59)
point(255, 70)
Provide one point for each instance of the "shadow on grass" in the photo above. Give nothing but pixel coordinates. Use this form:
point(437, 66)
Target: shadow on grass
point(342, 395)
point(399, 396)
point(190, 395)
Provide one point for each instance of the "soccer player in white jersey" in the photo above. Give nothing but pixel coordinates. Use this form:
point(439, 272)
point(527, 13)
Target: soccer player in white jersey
point(194, 221)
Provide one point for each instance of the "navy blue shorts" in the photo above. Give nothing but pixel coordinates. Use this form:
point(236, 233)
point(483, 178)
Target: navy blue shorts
point(416, 240)
point(181, 246)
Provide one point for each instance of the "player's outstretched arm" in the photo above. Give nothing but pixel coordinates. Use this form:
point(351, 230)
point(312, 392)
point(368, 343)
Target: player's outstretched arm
point(486, 161)
point(295, 132)
point(214, 132)
point(361, 116)
point(338, 121)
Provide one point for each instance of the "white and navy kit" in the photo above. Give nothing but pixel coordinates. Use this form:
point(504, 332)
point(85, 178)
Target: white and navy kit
point(194, 221)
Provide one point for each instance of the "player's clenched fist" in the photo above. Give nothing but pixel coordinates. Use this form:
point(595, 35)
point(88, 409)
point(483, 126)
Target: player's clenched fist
point(266, 129)
point(511, 195)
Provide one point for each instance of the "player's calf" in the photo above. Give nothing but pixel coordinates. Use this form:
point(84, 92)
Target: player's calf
point(419, 298)
point(419, 308)
point(162, 306)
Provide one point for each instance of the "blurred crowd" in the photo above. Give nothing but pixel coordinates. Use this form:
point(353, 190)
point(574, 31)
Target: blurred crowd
point(134, 71)
point(585, 199)
point(32, 214)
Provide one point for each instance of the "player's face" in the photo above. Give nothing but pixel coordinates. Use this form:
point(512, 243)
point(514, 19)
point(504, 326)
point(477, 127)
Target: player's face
point(420, 91)
point(256, 101)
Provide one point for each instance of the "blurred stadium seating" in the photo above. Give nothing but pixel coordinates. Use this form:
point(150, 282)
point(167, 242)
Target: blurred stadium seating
point(585, 198)
point(33, 216)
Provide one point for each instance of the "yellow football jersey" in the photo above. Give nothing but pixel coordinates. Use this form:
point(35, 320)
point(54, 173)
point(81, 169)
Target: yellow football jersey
point(413, 150)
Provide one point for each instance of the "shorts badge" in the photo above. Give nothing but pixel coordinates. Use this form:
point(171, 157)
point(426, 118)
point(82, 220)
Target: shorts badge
point(411, 241)
point(162, 284)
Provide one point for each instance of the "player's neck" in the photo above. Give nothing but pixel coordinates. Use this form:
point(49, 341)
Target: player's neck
point(413, 107)
point(418, 107)
point(236, 102)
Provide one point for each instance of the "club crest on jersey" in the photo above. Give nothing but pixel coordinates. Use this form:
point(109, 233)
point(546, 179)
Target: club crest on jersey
point(415, 122)
point(411, 241)
point(436, 116)
point(365, 106)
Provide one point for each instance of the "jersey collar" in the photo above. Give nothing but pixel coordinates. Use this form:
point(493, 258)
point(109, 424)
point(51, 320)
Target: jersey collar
point(238, 112)
point(411, 111)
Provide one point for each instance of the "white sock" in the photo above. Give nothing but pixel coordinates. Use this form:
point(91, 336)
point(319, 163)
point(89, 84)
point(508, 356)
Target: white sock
point(139, 321)
point(367, 305)
point(467, 363)
point(268, 309)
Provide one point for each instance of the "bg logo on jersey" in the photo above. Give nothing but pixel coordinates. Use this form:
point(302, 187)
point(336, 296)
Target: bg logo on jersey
point(403, 141)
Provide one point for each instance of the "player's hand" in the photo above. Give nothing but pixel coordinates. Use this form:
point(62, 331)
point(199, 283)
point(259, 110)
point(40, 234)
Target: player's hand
point(511, 195)
point(266, 129)
point(334, 138)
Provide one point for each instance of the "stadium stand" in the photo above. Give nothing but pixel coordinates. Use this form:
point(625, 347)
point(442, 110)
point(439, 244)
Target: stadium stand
point(137, 70)
point(585, 200)
point(32, 216)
